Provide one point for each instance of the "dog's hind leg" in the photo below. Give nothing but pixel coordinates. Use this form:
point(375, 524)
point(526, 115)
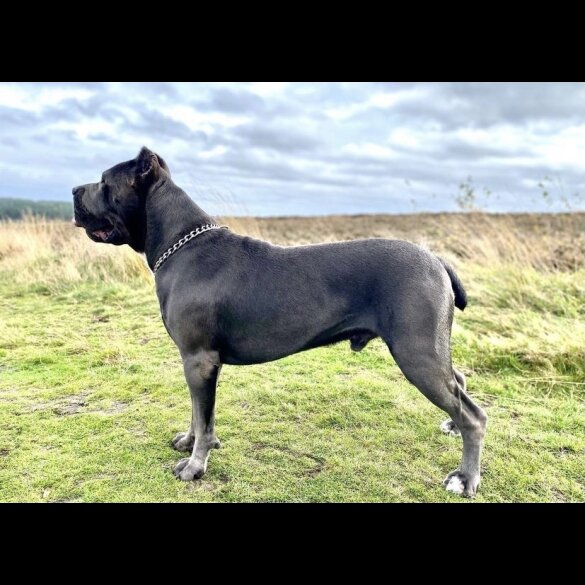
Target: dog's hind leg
point(420, 344)
point(448, 427)
point(202, 371)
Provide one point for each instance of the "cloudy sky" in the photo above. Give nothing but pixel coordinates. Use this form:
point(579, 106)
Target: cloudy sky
point(274, 148)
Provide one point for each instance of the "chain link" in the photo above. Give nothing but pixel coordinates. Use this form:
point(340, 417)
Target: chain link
point(184, 240)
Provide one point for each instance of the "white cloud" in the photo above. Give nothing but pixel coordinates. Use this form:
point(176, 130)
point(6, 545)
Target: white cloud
point(84, 128)
point(27, 98)
point(268, 88)
point(565, 149)
point(213, 153)
point(382, 100)
point(369, 149)
point(410, 137)
point(13, 97)
point(203, 121)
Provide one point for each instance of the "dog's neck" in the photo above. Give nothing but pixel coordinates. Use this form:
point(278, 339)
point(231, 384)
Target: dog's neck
point(170, 214)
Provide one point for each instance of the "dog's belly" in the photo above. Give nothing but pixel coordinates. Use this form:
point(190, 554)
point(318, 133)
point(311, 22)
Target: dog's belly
point(270, 345)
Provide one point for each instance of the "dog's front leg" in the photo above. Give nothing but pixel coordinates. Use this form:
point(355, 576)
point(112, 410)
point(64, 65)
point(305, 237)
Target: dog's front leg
point(202, 371)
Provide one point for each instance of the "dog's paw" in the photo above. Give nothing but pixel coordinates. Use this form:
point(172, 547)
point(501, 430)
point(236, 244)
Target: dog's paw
point(187, 470)
point(460, 484)
point(450, 428)
point(183, 442)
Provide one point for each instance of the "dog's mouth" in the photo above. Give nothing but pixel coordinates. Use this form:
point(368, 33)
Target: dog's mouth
point(103, 234)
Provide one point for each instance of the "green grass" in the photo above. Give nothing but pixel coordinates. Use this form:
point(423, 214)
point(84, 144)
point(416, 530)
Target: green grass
point(92, 392)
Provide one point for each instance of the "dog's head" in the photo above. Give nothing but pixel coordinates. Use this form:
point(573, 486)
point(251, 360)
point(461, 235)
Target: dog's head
point(113, 210)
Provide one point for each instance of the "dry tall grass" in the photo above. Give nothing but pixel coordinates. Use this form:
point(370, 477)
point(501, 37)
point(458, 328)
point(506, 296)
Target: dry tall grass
point(541, 241)
point(53, 252)
point(36, 250)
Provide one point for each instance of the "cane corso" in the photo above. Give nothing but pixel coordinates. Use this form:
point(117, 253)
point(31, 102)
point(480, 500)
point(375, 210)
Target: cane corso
point(229, 299)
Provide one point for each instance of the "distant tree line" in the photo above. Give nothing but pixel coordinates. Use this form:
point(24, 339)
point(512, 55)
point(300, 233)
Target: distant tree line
point(17, 208)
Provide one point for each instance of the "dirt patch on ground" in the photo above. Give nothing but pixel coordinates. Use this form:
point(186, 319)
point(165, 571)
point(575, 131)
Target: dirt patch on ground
point(114, 408)
point(78, 404)
point(314, 469)
point(60, 406)
point(100, 318)
point(73, 405)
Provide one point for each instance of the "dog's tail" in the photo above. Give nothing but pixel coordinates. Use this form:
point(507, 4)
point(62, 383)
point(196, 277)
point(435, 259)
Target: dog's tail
point(460, 294)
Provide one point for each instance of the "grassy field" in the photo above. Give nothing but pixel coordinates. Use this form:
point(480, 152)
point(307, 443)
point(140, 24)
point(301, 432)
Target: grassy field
point(92, 389)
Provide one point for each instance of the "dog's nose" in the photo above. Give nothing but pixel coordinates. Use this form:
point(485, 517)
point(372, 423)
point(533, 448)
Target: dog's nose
point(78, 191)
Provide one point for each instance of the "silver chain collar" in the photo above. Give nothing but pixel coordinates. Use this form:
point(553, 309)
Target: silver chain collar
point(184, 240)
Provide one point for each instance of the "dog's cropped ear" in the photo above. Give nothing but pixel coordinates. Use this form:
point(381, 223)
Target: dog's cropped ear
point(163, 164)
point(148, 167)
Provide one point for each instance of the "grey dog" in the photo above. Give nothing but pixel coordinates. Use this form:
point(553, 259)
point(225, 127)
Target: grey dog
point(229, 299)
